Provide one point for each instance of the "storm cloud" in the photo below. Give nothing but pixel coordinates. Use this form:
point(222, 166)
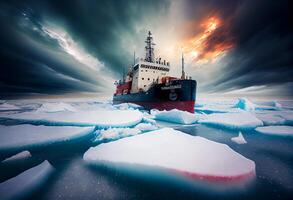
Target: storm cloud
point(59, 47)
point(261, 32)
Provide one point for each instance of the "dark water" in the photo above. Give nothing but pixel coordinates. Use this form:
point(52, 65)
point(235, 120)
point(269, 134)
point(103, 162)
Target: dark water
point(74, 179)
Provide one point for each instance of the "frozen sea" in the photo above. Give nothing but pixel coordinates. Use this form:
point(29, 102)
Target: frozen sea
point(43, 145)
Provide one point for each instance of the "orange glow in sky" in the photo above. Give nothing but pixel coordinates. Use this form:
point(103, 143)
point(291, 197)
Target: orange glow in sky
point(209, 43)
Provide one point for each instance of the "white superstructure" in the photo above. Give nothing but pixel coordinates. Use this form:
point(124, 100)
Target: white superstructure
point(147, 71)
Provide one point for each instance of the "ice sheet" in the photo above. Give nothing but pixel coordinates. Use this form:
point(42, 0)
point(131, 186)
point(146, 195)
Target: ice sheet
point(115, 133)
point(19, 156)
point(146, 127)
point(126, 106)
point(239, 139)
point(242, 120)
point(245, 104)
point(176, 116)
point(26, 182)
point(176, 151)
point(55, 107)
point(23, 137)
point(276, 130)
point(101, 118)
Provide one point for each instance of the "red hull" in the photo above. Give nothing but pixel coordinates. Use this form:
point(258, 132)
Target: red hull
point(169, 105)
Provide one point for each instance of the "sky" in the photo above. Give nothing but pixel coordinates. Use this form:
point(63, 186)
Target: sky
point(77, 47)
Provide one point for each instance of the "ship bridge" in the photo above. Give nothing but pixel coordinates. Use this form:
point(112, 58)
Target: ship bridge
point(149, 70)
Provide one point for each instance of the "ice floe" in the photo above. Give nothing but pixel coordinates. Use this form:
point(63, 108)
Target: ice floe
point(177, 152)
point(242, 120)
point(270, 119)
point(25, 183)
point(101, 118)
point(115, 133)
point(146, 127)
point(111, 134)
point(276, 130)
point(176, 116)
point(245, 104)
point(24, 137)
point(56, 107)
point(239, 139)
point(126, 106)
point(18, 156)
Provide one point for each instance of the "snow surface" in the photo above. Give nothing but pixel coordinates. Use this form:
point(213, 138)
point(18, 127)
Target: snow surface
point(146, 127)
point(56, 107)
point(176, 116)
point(245, 104)
point(276, 130)
point(115, 133)
point(101, 118)
point(270, 119)
point(19, 156)
point(239, 139)
point(26, 182)
point(126, 106)
point(173, 150)
point(243, 120)
point(118, 133)
point(22, 137)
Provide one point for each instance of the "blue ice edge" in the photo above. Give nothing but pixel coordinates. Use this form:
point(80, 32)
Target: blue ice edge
point(229, 127)
point(24, 184)
point(60, 123)
point(7, 151)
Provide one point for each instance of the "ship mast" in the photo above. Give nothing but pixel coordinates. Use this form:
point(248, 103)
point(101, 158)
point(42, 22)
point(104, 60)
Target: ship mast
point(149, 57)
point(183, 72)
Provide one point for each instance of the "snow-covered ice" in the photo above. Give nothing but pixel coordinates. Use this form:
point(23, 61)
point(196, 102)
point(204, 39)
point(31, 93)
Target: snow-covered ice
point(242, 120)
point(239, 139)
point(126, 106)
point(270, 119)
point(101, 118)
point(176, 152)
point(176, 116)
point(26, 182)
point(146, 127)
point(245, 104)
point(56, 107)
point(111, 134)
point(276, 130)
point(23, 137)
point(115, 133)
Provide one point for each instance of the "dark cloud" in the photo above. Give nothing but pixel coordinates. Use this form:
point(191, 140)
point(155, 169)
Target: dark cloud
point(263, 51)
point(32, 62)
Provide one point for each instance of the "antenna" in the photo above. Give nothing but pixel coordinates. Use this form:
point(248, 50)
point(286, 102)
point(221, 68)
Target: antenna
point(149, 57)
point(123, 74)
point(182, 73)
point(134, 58)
